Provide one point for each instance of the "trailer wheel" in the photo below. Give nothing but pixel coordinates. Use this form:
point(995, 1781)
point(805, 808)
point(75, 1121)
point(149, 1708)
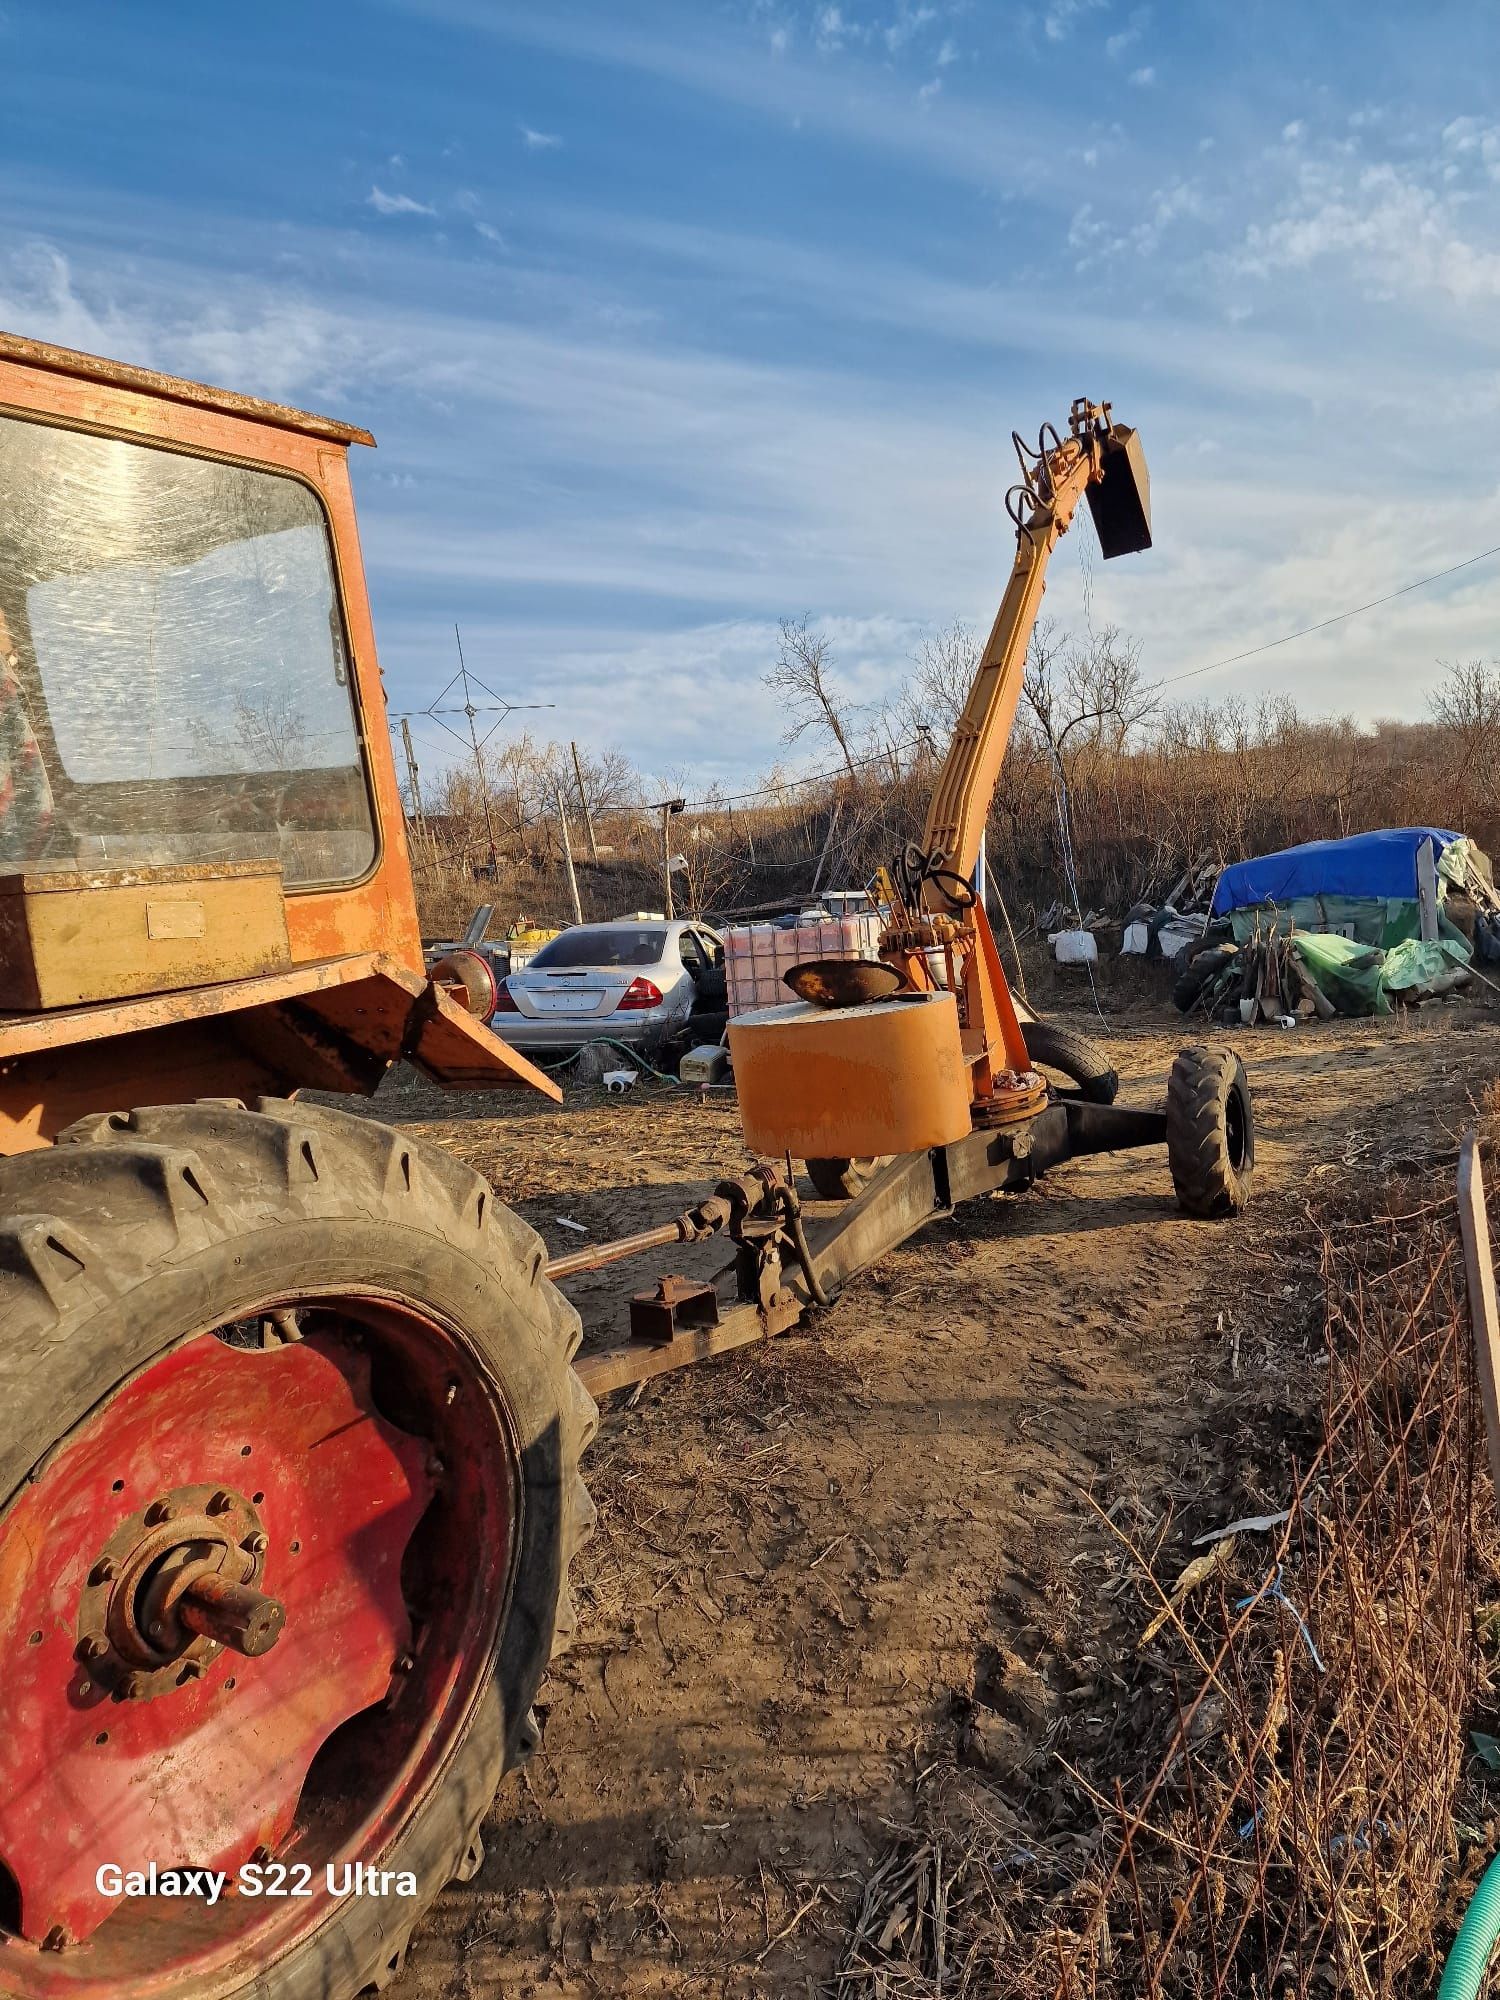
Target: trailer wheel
point(1210, 1132)
point(842, 1180)
point(289, 1481)
point(1074, 1056)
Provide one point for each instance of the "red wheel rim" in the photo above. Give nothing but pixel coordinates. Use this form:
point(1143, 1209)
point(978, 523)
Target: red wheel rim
point(363, 1478)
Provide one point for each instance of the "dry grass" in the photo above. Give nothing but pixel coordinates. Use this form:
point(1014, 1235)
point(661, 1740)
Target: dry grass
point(1273, 1810)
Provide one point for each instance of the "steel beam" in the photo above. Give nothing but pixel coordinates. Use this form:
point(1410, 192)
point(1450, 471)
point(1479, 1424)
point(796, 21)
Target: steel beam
point(903, 1196)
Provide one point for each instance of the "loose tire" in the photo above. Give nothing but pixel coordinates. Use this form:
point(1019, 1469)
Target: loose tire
point(842, 1180)
point(1198, 973)
point(1210, 1132)
point(1074, 1056)
point(182, 1291)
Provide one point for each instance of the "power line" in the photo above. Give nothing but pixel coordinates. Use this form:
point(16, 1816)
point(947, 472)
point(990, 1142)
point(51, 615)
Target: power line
point(1322, 625)
point(792, 784)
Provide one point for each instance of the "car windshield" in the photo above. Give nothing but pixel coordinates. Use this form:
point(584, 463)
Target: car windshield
point(605, 947)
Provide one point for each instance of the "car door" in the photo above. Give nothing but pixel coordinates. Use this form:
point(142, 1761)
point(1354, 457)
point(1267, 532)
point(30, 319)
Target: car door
point(696, 965)
point(713, 987)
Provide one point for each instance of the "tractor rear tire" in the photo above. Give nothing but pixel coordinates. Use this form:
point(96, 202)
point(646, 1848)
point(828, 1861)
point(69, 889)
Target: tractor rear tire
point(1074, 1056)
point(1210, 1132)
point(288, 1252)
point(843, 1180)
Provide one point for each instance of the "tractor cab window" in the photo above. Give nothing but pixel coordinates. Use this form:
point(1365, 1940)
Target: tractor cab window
point(174, 684)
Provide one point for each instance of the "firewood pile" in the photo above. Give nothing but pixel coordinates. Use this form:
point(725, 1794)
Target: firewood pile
point(1263, 980)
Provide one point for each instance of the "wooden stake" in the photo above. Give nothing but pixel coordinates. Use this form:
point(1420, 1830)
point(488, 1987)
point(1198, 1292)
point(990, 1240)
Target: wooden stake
point(1479, 1270)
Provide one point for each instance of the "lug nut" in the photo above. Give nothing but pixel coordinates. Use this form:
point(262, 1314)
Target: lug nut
point(102, 1571)
point(159, 1511)
point(92, 1648)
point(220, 1503)
point(256, 1544)
point(128, 1687)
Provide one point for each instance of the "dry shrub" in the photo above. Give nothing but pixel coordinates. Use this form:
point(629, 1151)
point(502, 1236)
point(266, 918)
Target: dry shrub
point(1286, 1826)
point(1142, 791)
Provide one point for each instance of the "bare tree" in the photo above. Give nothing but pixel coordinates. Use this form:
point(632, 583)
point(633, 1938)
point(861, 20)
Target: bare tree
point(804, 661)
point(1466, 707)
point(1092, 691)
point(946, 663)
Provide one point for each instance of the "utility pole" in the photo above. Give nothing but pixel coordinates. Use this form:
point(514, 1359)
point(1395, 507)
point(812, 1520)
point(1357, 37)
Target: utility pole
point(567, 846)
point(667, 807)
point(583, 800)
point(418, 816)
point(833, 820)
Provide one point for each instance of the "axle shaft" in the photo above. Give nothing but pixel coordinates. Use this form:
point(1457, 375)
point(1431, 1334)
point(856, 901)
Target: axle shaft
point(243, 1619)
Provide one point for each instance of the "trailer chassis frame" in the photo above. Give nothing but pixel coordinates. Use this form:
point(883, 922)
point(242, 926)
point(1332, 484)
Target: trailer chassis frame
point(781, 1270)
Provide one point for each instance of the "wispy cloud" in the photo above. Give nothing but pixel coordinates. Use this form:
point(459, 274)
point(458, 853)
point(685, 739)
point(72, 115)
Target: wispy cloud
point(1062, 16)
point(831, 30)
point(539, 142)
point(396, 204)
point(1124, 39)
point(698, 427)
point(1143, 78)
point(1418, 227)
point(909, 22)
point(872, 109)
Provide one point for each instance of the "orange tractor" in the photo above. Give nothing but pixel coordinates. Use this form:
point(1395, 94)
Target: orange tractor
point(289, 1462)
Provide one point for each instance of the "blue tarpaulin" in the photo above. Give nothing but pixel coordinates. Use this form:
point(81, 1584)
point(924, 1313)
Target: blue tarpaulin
point(1381, 865)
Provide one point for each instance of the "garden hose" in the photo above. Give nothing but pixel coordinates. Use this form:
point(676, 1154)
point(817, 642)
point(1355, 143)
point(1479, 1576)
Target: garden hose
point(1468, 1961)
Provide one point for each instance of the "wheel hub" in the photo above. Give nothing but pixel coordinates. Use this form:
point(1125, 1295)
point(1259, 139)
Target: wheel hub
point(173, 1586)
point(148, 1686)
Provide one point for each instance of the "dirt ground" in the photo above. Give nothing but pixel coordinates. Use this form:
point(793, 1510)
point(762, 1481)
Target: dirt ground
point(830, 1565)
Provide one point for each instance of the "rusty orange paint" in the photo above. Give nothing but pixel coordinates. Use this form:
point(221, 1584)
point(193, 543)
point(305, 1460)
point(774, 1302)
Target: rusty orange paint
point(851, 1082)
point(337, 1025)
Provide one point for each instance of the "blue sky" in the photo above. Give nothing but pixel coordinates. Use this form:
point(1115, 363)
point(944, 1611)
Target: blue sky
point(672, 319)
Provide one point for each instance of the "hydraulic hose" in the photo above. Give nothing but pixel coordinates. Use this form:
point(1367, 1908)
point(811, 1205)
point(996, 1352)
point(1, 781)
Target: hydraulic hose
point(1469, 1959)
point(791, 1210)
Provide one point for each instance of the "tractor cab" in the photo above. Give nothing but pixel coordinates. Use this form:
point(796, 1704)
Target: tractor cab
point(203, 860)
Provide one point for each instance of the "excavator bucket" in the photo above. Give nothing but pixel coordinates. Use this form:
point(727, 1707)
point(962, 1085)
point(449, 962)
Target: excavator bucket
point(1120, 501)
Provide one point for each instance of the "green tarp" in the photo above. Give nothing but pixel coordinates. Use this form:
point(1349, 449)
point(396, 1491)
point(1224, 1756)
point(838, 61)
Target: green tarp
point(1369, 919)
point(1360, 978)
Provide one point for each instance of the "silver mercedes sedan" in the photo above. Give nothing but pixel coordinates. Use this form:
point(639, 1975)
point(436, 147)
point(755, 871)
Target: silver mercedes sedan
point(643, 981)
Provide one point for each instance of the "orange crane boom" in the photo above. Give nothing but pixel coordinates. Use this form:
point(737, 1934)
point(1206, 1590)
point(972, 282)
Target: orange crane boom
point(1099, 459)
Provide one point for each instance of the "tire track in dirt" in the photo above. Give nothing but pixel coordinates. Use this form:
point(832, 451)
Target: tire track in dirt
point(809, 1555)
